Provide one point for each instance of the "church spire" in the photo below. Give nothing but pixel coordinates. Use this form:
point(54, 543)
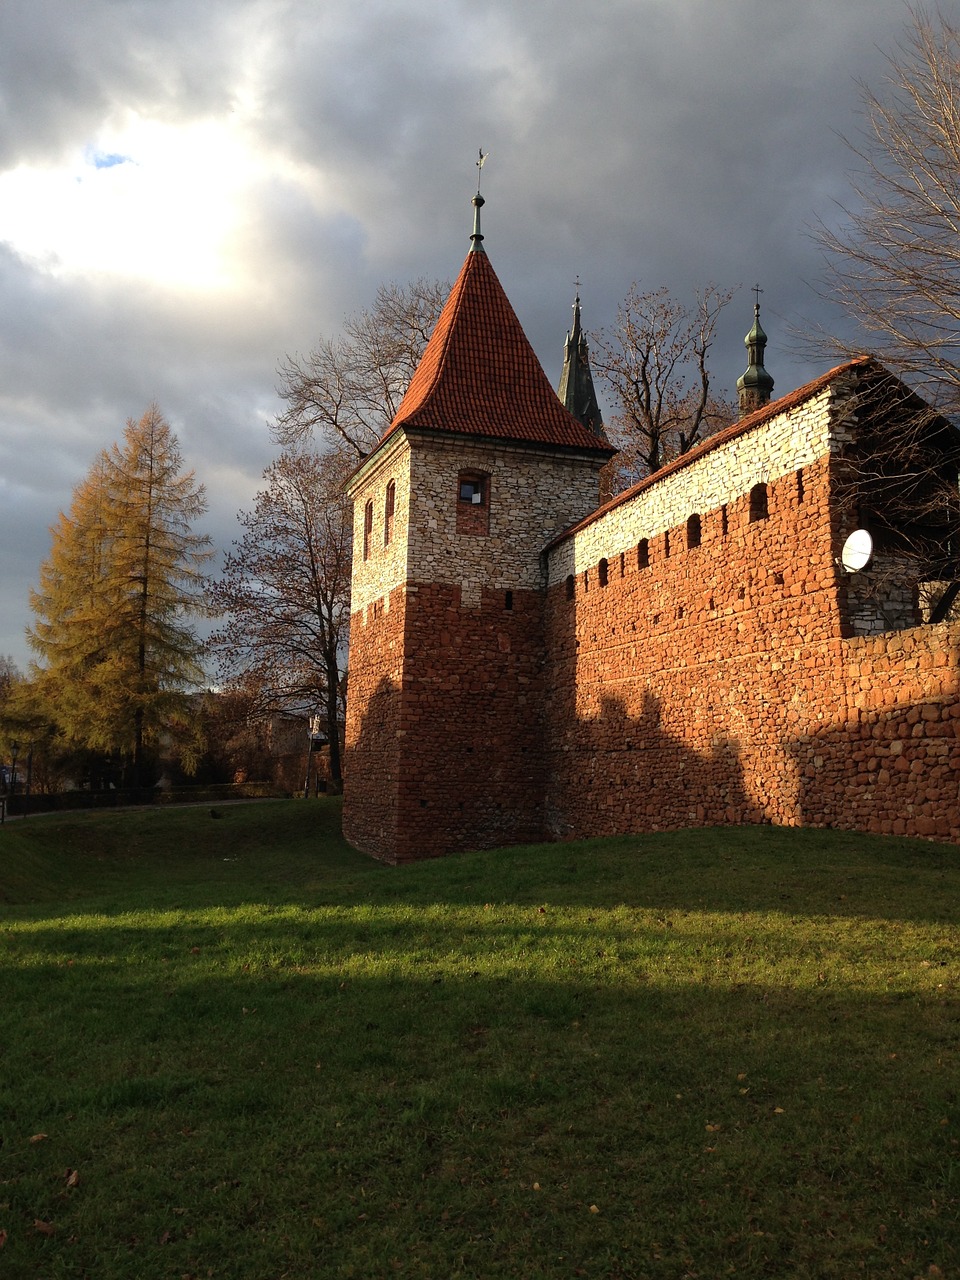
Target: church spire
point(576, 390)
point(754, 386)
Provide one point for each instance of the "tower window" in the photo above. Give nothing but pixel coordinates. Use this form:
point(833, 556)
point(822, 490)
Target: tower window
point(473, 502)
point(367, 528)
point(602, 572)
point(570, 586)
point(643, 554)
point(693, 530)
point(389, 504)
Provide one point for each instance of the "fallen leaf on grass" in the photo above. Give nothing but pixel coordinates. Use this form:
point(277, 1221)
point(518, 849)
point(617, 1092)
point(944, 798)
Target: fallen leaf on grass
point(3, 1239)
point(45, 1228)
point(778, 1111)
point(39, 1137)
point(73, 1177)
point(594, 1209)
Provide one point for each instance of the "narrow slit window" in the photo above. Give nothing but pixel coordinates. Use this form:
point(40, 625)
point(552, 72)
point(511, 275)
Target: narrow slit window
point(388, 509)
point(643, 554)
point(603, 572)
point(570, 586)
point(800, 494)
point(666, 545)
point(693, 530)
point(367, 528)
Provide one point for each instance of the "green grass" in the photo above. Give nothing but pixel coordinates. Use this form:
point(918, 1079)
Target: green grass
point(694, 1054)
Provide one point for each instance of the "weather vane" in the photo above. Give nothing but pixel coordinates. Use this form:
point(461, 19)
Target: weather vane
point(480, 161)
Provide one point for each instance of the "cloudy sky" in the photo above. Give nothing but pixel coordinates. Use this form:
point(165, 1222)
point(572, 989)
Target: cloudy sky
point(190, 191)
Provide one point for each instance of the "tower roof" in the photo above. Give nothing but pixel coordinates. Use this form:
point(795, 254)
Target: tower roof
point(576, 390)
point(755, 378)
point(479, 374)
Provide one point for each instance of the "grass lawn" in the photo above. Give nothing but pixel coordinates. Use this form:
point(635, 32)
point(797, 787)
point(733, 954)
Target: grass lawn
point(232, 1047)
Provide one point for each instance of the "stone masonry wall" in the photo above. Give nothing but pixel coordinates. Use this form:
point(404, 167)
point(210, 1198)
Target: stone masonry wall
point(445, 695)
point(720, 683)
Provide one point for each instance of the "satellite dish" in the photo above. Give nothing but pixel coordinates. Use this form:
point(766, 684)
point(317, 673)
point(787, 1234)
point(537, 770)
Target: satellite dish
point(857, 551)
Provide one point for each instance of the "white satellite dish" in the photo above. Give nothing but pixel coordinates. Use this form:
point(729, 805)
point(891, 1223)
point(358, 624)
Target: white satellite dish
point(857, 551)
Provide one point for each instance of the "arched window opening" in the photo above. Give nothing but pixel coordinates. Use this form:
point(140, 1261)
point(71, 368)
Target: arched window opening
point(603, 572)
point(693, 530)
point(759, 507)
point(388, 508)
point(571, 586)
point(367, 528)
point(643, 554)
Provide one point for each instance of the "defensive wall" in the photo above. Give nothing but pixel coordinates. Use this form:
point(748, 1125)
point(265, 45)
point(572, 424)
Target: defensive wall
point(708, 660)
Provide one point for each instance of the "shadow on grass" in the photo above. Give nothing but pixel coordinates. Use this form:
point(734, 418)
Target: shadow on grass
point(463, 1123)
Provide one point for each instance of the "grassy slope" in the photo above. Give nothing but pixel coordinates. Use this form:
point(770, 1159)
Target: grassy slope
point(689, 1054)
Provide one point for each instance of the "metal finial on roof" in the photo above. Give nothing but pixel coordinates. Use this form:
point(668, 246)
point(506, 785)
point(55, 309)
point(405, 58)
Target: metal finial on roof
point(478, 203)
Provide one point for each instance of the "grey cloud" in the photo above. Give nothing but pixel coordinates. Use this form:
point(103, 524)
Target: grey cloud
point(630, 140)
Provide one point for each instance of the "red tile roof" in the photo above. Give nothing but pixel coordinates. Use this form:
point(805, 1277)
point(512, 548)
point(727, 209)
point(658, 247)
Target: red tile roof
point(480, 376)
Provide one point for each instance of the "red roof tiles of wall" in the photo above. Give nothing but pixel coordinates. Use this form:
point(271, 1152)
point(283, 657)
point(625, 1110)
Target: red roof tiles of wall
point(480, 376)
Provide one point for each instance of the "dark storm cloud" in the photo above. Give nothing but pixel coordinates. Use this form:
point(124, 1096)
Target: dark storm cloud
point(672, 143)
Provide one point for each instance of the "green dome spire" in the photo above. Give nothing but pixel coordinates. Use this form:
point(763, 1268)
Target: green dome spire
point(755, 385)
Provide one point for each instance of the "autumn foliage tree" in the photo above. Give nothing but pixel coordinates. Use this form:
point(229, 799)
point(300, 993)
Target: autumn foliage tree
point(116, 652)
point(655, 362)
point(284, 595)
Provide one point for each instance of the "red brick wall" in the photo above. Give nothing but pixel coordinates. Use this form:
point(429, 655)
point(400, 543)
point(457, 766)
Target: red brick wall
point(716, 686)
point(448, 757)
point(372, 757)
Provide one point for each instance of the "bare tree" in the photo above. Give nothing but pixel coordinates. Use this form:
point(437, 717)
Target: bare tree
point(285, 594)
point(655, 362)
point(894, 267)
point(895, 263)
point(348, 389)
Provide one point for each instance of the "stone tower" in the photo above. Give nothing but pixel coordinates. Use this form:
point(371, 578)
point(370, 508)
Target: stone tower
point(480, 469)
